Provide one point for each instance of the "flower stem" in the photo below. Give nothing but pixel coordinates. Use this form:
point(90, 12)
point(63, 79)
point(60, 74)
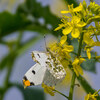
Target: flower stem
point(72, 86)
point(61, 94)
point(74, 75)
point(80, 45)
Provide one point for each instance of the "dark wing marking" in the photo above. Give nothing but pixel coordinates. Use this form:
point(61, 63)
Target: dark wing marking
point(31, 83)
point(25, 78)
point(39, 55)
point(33, 71)
point(36, 74)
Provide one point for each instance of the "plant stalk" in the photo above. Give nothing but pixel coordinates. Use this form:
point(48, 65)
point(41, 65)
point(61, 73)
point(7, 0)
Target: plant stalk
point(72, 86)
point(62, 94)
point(74, 75)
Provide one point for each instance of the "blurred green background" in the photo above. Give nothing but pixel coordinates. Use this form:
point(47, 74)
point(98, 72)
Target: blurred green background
point(23, 23)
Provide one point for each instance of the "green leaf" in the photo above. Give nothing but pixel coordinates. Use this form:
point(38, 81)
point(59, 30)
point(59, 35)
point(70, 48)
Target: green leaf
point(37, 10)
point(31, 7)
point(74, 2)
point(86, 86)
point(31, 93)
point(11, 23)
point(75, 43)
point(36, 27)
point(89, 65)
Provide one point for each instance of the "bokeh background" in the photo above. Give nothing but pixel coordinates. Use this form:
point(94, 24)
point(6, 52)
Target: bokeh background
point(23, 24)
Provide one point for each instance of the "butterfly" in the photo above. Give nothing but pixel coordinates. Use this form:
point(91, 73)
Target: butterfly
point(47, 70)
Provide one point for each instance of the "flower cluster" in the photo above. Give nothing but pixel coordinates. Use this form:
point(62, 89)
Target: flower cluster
point(48, 89)
point(76, 66)
point(62, 50)
point(76, 23)
point(92, 96)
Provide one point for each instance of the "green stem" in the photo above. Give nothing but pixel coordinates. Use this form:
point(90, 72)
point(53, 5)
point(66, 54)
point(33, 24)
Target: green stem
point(61, 94)
point(6, 83)
point(74, 75)
point(80, 45)
point(91, 57)
point(10, 66)
point(1, 97)
point(7, 77)
point(74, 53)
point(19, 39)
point(72, 86)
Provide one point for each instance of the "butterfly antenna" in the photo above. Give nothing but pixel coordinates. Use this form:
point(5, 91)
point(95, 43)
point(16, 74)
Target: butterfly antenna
point(45, 42)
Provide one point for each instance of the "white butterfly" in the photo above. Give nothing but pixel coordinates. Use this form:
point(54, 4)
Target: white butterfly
point(47, 70)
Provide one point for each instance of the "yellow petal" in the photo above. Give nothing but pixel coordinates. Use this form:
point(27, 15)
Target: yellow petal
point(97, 57)
point(87, 97)
point(79, 69)
point(75, 70)
point(88, 53)
point(67, 30)
point(81, 60)
point(75, 33)
point(76, 61)
point(75, 19)
point(96, 43)
point(48, 89)
point(67, 55)
point(79, 8)
point(81, 24)
point(65, 12)
point(68, 48)
point(88, 39)
point(63, 39)
point(59, 27)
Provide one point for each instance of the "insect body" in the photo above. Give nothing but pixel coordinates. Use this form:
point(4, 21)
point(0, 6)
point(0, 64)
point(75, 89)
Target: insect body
point(47, 70)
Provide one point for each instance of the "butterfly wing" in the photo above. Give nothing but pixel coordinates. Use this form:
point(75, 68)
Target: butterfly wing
point(48, 70)
point(35, 74)
point(39, 57)
point(55, 72)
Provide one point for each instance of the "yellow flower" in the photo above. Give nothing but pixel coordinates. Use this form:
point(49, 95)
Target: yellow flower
point(97, 57)
point(88, 35)
point(62, 48)
point(74, 27)
point(88, 51)
point(76, 66)
point(96, 43)
point(59, 27)
point(88, 40)
point(63, 40)
point(78, 70)
point(68, 48)
point(71, 9)
point(48, 89)
point(91, 96)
